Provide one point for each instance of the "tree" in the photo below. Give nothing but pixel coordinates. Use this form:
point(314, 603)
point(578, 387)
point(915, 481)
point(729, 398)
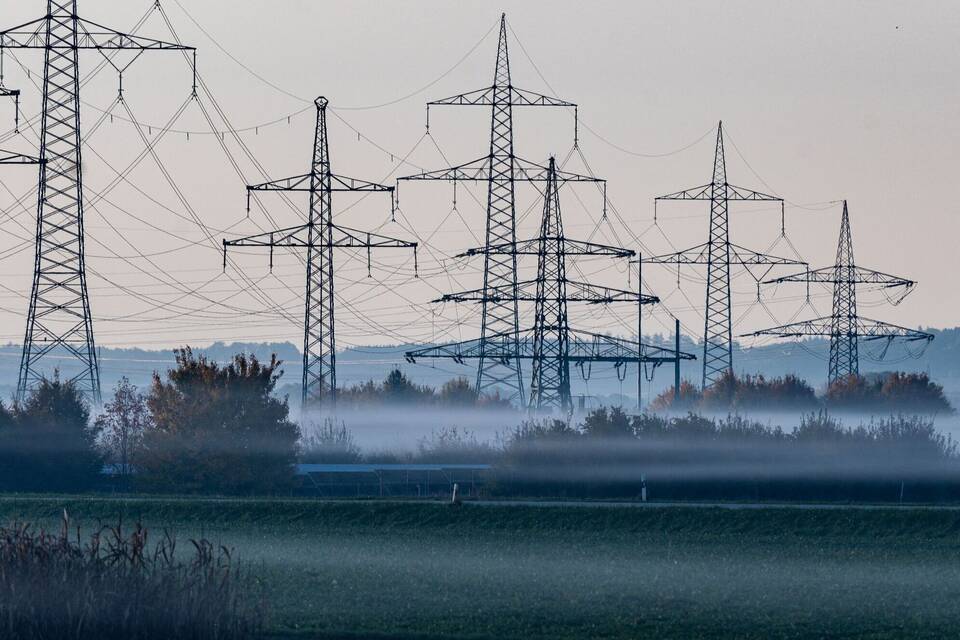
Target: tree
point(47, 443)
point(689, 398)
point(219, 429)
point(457, 393)
point(398, 389)
point(121, 428)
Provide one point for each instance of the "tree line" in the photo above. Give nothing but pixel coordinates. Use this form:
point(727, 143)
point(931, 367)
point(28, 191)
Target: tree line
point(891, 392)
point(212, 428)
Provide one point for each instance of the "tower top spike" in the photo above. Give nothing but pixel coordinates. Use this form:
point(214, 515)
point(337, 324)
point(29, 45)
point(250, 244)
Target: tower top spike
point(719, 159)
point(321, 102)
point(502, 75)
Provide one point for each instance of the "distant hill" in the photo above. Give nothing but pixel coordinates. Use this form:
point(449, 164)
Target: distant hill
point(808, 359)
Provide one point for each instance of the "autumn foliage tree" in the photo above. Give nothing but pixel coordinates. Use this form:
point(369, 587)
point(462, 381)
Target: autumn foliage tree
point(897, 392)
point(219, 428)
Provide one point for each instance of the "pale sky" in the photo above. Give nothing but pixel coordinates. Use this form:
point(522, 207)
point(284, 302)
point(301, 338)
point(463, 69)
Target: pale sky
point(820, 101)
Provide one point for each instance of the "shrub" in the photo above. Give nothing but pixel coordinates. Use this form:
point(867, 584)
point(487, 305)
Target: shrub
point(219, 429)
point(454, 445)
point(329, 444)
point(116, 586)
point(607, 423)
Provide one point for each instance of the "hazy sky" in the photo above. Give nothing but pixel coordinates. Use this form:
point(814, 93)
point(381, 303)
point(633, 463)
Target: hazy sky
point(820, 100)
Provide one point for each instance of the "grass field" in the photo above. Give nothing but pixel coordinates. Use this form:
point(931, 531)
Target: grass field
point(430, 570)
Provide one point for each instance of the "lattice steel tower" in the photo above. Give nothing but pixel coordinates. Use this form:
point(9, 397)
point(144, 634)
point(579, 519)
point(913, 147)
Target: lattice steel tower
point(551, 344)
point(320, 236)
point(499, 364)
point(845, 327)
point(718, 254)
point(59, 320)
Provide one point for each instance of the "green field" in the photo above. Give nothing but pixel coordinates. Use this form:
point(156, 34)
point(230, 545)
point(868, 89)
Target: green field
point(362, 569)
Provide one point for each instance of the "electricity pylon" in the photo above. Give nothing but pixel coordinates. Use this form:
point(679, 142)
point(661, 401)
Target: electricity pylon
point(845, 327)
point(718, 254)
point(499, 363)
point(59, 315)
point(320, 236)
point(551, 344)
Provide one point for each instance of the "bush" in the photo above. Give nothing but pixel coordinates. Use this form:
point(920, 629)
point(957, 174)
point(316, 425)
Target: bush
point(46, 443)
point(454, 446)
point(329, 444)
point(219, 429)
point(115, 586)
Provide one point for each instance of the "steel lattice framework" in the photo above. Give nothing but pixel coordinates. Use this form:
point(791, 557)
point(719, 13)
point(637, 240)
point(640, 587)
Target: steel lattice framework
point(551, 344)
point(319, 236)
point(718, 254)
point(845, 327)
point(59, 315)
point(499, 363)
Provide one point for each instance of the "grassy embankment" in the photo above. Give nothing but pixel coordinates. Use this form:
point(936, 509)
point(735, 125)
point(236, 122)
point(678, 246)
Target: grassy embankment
point(429, 570)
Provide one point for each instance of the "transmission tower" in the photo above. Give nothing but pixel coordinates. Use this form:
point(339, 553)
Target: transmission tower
point(845, 327)
point(718, 254)
point(499, 364)
point(551, 344)
point(319, 236)
point(59, 316)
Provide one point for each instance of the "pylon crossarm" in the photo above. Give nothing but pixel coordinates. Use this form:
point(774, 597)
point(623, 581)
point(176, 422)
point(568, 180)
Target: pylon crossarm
point(700, 254)
point(741, 193)
point(532, 247)
point(802, 329)
point(851, 275)
point(96, 36)
point(478, 97)
point(11, 157)
point(524, 98)
point(526, 291)
point(596, 347)
point(343, 237)
point(475, 170)
point(865, 329)
point(289, 237)
point(746, 257)
point(696, 193)
point(90, 35)
point(305, 183)
point(596, 294)
point(693, 255)
point(479, 171)
point(584, 346)
point(875, 330)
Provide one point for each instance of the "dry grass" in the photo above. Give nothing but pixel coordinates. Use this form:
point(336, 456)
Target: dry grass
point(116, 584)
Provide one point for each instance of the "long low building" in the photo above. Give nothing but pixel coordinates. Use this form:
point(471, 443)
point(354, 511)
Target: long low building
point(386, 480)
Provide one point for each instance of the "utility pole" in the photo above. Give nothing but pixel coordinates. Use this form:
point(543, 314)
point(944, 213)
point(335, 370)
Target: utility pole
point(59, 321)
point(718, 254)
point(551, 344)
point(319, 236)
point(499, 364)
point(845, 327)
